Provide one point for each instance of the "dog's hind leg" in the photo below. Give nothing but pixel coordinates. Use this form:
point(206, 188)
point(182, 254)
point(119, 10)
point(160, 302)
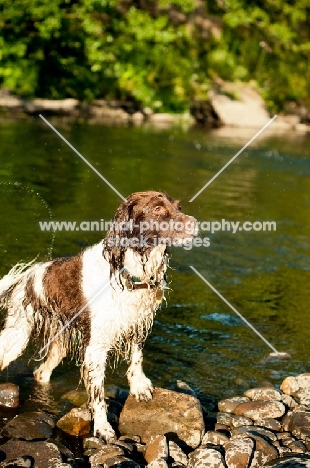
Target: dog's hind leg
point(94, 374)
point(55, 355)
point(14, 337)
point(140, 386)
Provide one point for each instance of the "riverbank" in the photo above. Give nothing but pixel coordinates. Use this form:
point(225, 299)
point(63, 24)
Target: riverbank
point(264, 427)
point(228, 105)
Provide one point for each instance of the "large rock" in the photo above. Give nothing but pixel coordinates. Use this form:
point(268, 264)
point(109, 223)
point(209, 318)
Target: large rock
point(239, 106)
point(29, 426)
point(76, 423)
point(298, 387)
point(9, 395)
point(261, 409)
point(44, 454)
point(176, 415)
point(239, 452)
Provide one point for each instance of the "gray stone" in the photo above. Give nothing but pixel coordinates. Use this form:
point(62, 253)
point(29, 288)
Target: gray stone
point(263, 394)
point(206, 458)
point(168, 412)
point(156, 448)
point(77, 397)
point(177, 454)
point(239, 452)
point(29, 426)
point(93, 443)
point(76, 423)
point(44, 454)
point(228, 405)
point(9, 395)
point(261, 409)
point(246, 110)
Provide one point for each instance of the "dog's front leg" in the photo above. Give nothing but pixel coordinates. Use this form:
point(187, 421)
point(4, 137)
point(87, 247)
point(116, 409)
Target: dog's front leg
point(140, 386)
point(93, 374)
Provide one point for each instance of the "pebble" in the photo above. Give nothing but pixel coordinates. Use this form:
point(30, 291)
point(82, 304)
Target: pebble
point(238, 421)
point(299, 387)
point(105, 453)
point(269, 423)
point(299, 424)
point(32, 425)
point(261, 409)
point(215, 438)
point(263, 453)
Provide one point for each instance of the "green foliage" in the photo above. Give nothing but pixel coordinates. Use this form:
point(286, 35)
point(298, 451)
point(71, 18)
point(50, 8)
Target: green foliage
point(100, 49)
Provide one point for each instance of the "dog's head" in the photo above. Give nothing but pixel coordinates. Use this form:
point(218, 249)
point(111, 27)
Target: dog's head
point(145, 220)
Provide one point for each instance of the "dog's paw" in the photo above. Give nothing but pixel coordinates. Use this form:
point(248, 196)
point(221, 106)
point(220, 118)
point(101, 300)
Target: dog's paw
point(141, 388)
point(105, 432)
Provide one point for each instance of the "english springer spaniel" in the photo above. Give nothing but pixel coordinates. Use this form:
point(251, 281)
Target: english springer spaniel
point(99, 303)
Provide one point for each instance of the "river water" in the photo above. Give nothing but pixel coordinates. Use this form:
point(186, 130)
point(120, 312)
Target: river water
point(265, 275)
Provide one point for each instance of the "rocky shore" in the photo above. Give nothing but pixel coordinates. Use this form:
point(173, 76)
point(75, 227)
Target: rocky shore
point(228, 104)
point(264, 427)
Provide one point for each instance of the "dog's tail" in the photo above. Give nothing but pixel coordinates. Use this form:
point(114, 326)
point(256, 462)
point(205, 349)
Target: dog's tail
point(12, 278)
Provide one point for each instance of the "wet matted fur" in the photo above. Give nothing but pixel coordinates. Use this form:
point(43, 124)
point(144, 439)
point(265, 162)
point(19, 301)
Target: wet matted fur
point(109, 312)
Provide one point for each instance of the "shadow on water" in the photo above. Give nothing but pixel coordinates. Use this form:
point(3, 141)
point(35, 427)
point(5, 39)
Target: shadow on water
point(195, 337)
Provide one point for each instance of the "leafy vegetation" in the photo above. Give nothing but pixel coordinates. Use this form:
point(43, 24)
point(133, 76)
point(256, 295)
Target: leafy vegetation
point(160, 53)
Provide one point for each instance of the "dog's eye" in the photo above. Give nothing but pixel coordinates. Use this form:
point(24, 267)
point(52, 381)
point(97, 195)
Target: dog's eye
point(159, 210)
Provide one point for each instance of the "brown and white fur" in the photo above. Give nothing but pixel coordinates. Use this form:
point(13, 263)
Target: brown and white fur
point(41, 298)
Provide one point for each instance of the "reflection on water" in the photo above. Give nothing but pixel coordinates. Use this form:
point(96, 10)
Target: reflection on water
point(195, 338)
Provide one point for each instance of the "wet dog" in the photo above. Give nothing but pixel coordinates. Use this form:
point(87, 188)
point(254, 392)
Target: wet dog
point(99, 303)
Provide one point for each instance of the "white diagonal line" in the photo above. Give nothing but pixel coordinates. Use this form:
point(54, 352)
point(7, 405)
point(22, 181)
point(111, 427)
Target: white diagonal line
point(82, 157)
point(236, 311)
point(232, 159)
point(80, 311)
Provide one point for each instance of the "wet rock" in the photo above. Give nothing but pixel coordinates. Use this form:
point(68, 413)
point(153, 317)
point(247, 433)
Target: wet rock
point(261, 409)
point(156, 448)
point(120, 462)
point(263, 453)
point(44, 454)
point(170, 413)
point(298, 387)
point(9, 395)
point(299, 425)
point(93, 443)
point(185, 388)
point(269, 423)
point(76, 423)
point(105, 453)
point(177, 454)
point(239, 452)
point(263, 394)
point(29, 426)
point(113, 391)
point(238, 421)
point(76, 397)
point(215, 438)
point(206, 458)
point(228, 405)
point(292, 462)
